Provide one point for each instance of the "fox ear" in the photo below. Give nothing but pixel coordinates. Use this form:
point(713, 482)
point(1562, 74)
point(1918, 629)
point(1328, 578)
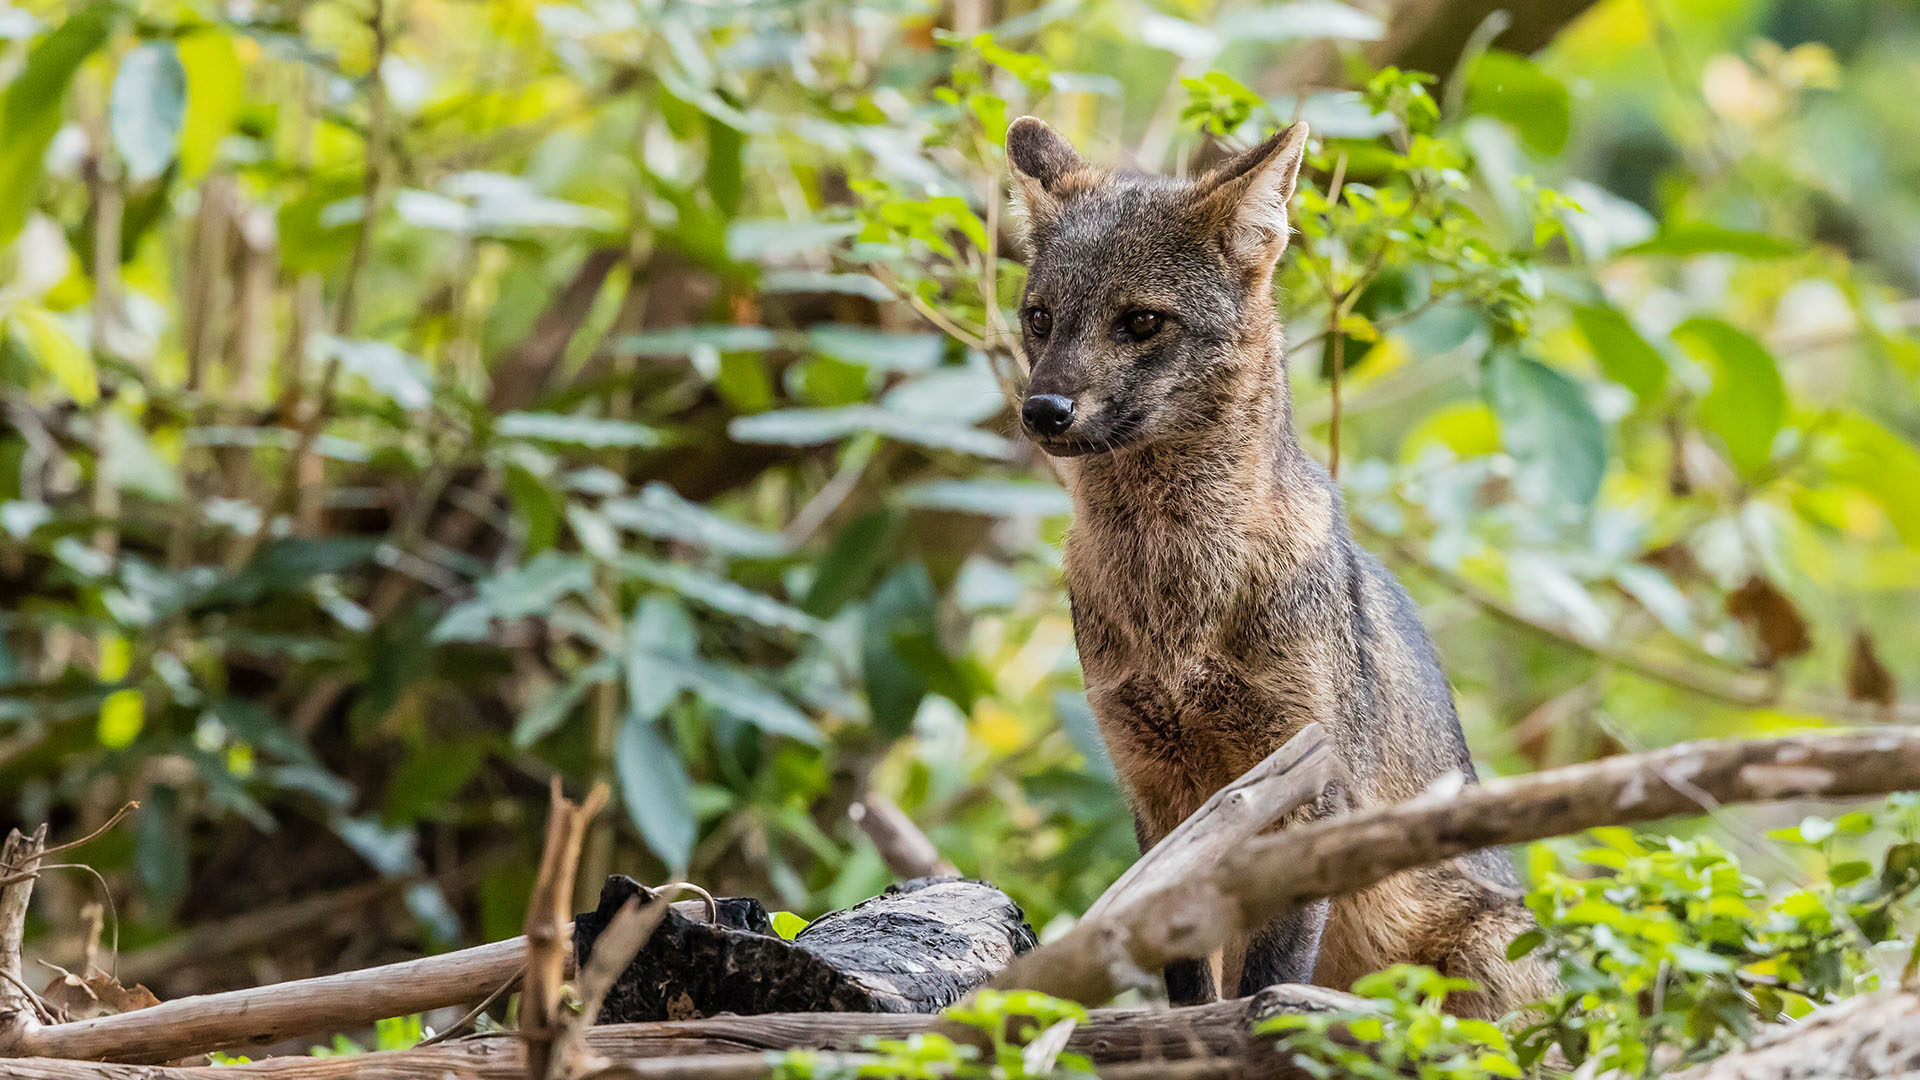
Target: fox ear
point(1250, 193)
point(1040, 159)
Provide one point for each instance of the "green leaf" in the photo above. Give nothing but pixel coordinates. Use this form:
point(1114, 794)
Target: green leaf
point(389, 370)
point(215, 84)
point(1532, 102)
point(1705, 238)
point(737, 694)
point(859, 550)
point(660, 512)
point(1525, 944)
point(900, 615)
point(534, 588)
point(1748, 400)
point(881, 350)
point(1547, 424)
point(148, 109)
point(1300, 19)
point(32, 110)
point(995, 498)
point(1623, 354)
point(788, 925)
point(811, 427)
point(1858, 451)
point(660, 637)
point(161, 849)
point(588, 431)
point(721, 595)
point(48, 341)
point(423, 785)
point(550, 709)
point(657, 791)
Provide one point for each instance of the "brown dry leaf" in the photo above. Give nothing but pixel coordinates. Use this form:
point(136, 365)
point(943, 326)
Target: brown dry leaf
point(1867, 678)
point(1779, 633)
point(99, 994)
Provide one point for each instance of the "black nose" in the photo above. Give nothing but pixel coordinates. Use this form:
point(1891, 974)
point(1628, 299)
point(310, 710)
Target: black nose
point(1047, 414)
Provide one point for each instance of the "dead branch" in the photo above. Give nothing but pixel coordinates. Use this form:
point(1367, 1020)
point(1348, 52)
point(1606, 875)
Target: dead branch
point(549, 923)
point(902, 846)
point(19, 861)
point(1272, 874)
point(266, 1014)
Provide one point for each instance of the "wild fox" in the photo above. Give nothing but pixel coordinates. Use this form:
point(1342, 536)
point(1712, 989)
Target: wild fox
point(1219, 601)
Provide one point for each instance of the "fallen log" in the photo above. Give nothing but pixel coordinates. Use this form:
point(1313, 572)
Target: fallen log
point(1127, 1044)
point(918, 947)
point(1272, 874)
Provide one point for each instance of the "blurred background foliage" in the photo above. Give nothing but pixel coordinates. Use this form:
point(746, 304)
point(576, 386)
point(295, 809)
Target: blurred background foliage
point(408, 402)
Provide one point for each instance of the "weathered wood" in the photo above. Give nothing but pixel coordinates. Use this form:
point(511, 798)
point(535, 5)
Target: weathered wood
point(919, 947)
point(1289, 778)
point(264, 1015)
point(902, 846)
point(1272, 874)
point(1872, 1037)
point(549, 928)
point(19, 862)
point(1203, 1040)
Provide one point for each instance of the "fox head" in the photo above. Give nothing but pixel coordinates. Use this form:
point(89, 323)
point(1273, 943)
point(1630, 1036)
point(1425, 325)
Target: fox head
point(1148, 308)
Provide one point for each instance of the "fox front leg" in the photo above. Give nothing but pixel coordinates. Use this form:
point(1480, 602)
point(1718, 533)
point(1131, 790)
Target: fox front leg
point(1286, 950)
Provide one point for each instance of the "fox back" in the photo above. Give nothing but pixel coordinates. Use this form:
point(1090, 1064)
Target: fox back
point(1219, 600)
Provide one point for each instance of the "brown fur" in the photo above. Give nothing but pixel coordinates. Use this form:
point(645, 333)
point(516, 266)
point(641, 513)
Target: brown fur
point(1219, 600)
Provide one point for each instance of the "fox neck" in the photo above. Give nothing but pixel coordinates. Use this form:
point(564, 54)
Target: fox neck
point(1238, 472)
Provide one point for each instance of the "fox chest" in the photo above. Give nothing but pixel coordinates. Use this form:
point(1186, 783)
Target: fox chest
point(1179, 733)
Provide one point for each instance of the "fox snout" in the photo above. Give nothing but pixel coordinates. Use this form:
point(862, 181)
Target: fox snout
point(1047, 415)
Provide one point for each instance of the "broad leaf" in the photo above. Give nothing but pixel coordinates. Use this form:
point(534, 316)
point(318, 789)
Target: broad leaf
point(657, 791)
point(1748, 400)
point(148, 109)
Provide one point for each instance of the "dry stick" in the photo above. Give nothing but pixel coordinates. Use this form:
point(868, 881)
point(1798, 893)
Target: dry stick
point(549, 916)
point(902, 846)
point(19, 859)
point(735, 1045)
point(259, 1016)
point(1274, 874)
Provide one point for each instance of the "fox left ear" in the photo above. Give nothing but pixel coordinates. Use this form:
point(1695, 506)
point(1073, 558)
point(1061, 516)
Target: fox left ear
point(1251, 191)
point(1040, 160)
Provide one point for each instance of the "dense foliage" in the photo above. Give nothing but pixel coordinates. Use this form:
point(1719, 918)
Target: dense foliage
point(407, 402)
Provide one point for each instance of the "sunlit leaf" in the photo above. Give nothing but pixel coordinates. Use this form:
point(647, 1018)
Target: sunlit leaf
point(1622, 353)
point(1516, 90)
point(30, 111)
point(1748, 401)
point(148, 109)
point(1705, 238)
point(1548, 424)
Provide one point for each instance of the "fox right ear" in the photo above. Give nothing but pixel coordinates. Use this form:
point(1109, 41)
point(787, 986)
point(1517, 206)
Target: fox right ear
point(1040, 159)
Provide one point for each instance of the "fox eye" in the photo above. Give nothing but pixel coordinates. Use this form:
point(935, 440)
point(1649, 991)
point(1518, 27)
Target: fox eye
point(1039, 321)
point(1141, 325)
